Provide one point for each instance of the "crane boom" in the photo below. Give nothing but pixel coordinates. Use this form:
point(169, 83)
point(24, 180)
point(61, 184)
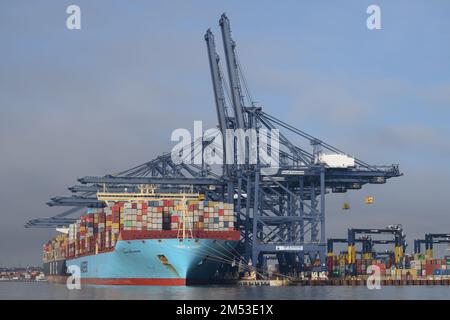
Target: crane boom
point(218, 89)
point(232, 67)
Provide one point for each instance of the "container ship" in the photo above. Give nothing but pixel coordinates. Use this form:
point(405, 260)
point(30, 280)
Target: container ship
point(145, 239)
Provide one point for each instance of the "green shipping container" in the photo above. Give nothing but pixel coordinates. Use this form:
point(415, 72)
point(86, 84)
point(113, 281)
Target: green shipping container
point(336, 273)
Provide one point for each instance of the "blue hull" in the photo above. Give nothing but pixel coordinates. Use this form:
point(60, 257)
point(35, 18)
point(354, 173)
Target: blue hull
point(156, 262)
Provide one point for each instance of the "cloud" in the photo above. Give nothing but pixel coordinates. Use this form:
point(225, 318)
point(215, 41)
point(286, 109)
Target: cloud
point(412, 137)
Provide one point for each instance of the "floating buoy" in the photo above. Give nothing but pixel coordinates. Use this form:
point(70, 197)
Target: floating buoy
point(346, 206)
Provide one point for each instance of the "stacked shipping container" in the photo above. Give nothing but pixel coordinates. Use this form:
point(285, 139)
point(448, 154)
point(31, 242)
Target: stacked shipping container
point(431, 267)
point(55, 249)
point(170, 215)
point(99, 229)
point(418, 267)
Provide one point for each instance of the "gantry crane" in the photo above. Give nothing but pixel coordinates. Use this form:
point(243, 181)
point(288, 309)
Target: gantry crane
point(429, 241)
point(367, 243)
point(399, 250)
point(280, 213)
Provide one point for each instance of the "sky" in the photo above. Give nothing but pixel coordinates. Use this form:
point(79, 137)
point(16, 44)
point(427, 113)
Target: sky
point(107, 97)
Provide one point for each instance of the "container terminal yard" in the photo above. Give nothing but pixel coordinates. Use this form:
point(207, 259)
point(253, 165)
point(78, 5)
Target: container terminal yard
point(169, 223)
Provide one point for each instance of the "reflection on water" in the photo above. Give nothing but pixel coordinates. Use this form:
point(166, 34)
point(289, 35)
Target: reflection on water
point(31, 290)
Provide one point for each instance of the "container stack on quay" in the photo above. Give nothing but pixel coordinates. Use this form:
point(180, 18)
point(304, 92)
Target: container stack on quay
point(431, 267)
point(414, 267)
point(99, 229)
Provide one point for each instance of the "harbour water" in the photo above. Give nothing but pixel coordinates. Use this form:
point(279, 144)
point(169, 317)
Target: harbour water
point(50, 291)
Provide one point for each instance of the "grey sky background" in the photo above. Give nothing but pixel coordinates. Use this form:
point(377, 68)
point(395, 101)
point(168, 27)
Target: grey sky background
point(107, 97)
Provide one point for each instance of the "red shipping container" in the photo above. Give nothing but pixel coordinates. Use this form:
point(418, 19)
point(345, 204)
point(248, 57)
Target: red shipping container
point(221, 212)
point(429, 269)
point(159, 209)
